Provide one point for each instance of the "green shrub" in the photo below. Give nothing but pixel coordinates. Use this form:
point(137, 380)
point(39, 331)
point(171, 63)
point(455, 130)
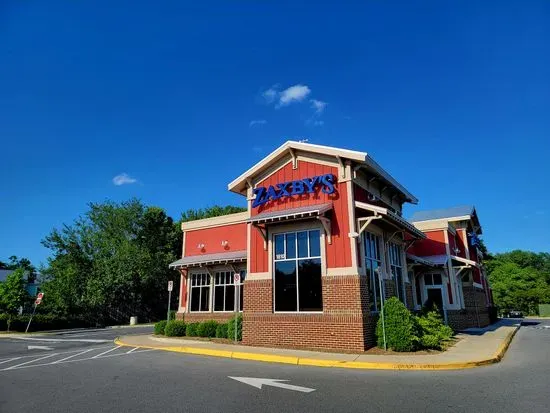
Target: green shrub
point(400, 326)
point(433, 332)
point(207, 328)
point(42, 322)
point(221, 331)
point(231, 328)
point(192, 330)
point(175, 328)
point(172, 315)
point(159, 327)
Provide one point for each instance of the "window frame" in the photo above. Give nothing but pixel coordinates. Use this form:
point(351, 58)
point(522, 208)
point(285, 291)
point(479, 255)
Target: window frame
point(284, 230)
point(199, 288)
point(379, 290)
point(395, 261)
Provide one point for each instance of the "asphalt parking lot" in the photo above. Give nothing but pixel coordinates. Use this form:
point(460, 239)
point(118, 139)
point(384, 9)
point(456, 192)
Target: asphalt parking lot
point(100, 376)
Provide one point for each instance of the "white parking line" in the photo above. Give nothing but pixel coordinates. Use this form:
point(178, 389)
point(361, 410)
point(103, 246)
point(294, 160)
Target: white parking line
point(105, 352)
point(134, 349)
point(74, 355)
point(61, 340)
point(31, 361)
point(8, 360)
point(27, 365)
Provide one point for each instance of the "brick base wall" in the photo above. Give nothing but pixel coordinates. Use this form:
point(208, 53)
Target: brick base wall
point(390, 289)
point(344, 324)
point(476, 313)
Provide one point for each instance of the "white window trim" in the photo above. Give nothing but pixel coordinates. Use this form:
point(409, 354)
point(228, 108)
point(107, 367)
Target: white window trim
point(190, 286)
point(285, 229)
point(382, 262)
point(230, 271)
point(400, 266)
point(212, 270)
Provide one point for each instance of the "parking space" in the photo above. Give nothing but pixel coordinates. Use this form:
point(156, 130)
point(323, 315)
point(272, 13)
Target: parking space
point(73, 356)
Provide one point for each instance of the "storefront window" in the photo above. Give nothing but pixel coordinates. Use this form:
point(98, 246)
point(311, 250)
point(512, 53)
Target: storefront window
point(224, 291)
point(373, 264)
point(200, 292)
point(297, 269)
point(394, 252)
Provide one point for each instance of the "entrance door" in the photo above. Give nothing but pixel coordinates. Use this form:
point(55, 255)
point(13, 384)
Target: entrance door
point(435, 297)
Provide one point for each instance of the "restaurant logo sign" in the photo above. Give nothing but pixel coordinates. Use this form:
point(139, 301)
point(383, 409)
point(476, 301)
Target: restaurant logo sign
point(285, 189)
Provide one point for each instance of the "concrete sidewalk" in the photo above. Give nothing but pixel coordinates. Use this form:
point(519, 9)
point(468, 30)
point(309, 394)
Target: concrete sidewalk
point(476, 347)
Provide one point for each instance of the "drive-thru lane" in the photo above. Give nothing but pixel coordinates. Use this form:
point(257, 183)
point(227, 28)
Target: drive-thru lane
point(170, 382)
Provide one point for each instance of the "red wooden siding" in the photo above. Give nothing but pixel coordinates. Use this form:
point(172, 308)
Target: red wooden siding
point(461, 241)
point(212, 239)
point(434, 244)
point(338, 254)
point(452, 242)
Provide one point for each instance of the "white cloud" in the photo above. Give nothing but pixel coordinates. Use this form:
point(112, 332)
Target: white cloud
point(271, 94)
point(318, 105)
point(295, 93)
point(123, 179)
point(257, 122)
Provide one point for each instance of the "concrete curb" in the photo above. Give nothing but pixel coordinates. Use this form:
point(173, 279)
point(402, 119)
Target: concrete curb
point(273, 358)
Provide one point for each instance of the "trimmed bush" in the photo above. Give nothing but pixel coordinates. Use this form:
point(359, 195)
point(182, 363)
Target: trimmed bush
point(192, 330)
point(402, 332)
point(175, 328)
point(433, 332)
point(172, 315)
point(231, 328)
point(41, 322)
point(159, 327)
point(221, 331)
point(207, 328)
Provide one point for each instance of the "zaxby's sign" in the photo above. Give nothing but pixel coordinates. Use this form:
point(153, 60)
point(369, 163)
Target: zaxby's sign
point(291, 188)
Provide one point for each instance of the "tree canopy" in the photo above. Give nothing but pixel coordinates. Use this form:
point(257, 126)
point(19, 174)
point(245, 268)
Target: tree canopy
point(520, 280)
point(12, 292)
point(112, 262)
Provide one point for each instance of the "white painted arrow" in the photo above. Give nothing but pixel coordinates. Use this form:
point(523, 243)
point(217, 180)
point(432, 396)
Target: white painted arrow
point(39, 348)
point(258, 383)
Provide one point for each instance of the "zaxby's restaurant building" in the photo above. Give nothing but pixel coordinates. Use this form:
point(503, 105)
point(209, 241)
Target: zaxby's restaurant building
point(322, 243)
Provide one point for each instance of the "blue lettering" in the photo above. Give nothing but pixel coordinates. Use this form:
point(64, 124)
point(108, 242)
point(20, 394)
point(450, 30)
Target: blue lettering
point(328, 181)
point(283, 188)
point(271, 194)
point(310, 183)
point(260, 197)
point(297, 188)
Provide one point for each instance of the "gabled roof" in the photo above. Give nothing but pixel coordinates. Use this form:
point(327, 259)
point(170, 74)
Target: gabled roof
point(457, 213)
point(362, 159)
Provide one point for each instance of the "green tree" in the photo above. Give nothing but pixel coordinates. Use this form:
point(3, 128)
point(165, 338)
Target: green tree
point(520, 280)
point(210, 212)
point(13, 293)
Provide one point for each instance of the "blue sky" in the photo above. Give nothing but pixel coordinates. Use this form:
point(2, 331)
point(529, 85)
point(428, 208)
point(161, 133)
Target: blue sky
point(452, 99)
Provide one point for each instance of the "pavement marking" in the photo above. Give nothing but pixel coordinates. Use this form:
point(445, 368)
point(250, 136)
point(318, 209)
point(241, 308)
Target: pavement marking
point(74, 355)
point(39, 348)
point(259, 382)
point(8, 360)
point(61, 340)
point(134, 349)
point(30, 361)
point(105, 352)
point(69, 360)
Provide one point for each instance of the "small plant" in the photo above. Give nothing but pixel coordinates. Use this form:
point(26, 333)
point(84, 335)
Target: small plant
point(221, 331)
point(192, 330)
point(159, 327)
point(207, 328)
point(231, 328)
point(433, 331)
point(400, 326)
point(175, 328)
point(172, 315)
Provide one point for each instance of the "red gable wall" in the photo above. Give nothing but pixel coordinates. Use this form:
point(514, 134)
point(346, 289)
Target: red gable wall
point(212, 239)
point(434, 244)
point(338, 254)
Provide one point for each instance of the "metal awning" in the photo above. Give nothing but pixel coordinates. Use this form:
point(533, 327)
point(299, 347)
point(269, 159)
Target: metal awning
point(210, 259)
point(310, 211)
point(392, 218)
point(464, 261)
point(419, 260)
